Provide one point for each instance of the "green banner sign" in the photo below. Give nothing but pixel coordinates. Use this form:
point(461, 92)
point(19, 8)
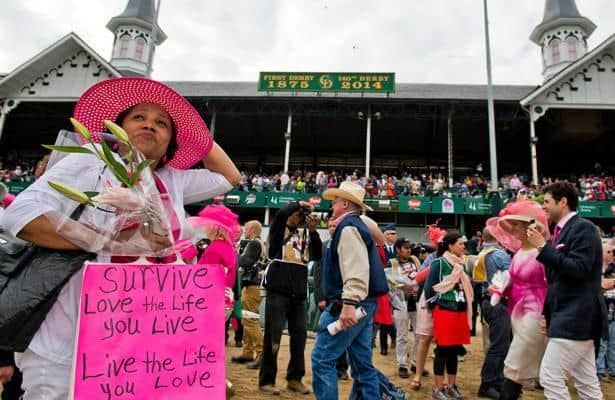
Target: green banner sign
point(608, 209)
point(414, 204)
point(326, 82)
point(447, 205)
point(280, 199)
point(589, 208)
point(478, 206)
point(17, 187)
point(245, 199)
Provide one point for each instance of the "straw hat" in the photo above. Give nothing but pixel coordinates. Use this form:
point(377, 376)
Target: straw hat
point(348, 191)
point(108, 98)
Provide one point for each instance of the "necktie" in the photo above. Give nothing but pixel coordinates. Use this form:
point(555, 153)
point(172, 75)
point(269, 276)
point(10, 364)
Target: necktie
point(555, 234)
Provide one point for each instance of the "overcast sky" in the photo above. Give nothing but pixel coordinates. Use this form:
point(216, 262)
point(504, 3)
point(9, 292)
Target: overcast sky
point(440, 41)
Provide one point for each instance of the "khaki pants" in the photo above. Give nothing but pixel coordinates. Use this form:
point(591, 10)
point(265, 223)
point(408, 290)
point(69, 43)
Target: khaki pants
point(574, 359)
point(252, 335)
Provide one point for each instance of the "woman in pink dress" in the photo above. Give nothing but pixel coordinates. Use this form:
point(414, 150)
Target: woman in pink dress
point(525, 291)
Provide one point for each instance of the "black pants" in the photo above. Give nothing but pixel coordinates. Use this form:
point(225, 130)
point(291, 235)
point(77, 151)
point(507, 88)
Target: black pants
point(341, 365)
point(499, 336)
point(446, 358)
point(280, 308)
point(238, 333)
point(385, 332)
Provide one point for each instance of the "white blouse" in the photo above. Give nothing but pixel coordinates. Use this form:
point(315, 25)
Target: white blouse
point(55, 340)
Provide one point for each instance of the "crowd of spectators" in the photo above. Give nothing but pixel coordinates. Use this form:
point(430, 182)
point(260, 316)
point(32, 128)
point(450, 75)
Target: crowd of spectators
point(596, 186)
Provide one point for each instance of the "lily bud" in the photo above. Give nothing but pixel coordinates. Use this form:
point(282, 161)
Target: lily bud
point(117, 131)
point(81, 129)
point(71, 193)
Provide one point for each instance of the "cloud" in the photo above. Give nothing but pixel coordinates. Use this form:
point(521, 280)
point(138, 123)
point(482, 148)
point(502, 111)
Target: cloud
point(438, 41)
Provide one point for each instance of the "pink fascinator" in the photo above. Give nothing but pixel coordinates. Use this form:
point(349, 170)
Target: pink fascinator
point(436, 234)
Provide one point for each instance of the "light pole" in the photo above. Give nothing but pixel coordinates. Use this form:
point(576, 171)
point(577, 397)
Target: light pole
point(493, 160)
point(368, 139)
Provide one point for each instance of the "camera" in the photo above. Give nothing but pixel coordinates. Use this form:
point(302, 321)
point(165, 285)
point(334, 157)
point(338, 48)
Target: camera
point(304, 212)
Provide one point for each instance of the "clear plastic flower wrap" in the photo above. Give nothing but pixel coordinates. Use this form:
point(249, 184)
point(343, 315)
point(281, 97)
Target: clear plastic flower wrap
point(124, 212)
point(499, 282)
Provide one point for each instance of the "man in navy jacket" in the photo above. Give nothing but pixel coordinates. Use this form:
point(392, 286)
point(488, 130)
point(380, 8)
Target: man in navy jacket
point(574, 309)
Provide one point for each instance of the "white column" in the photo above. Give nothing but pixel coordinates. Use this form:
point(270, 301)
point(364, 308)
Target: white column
point(266, 221)
point(450, 148)
point(368, 141)
point(534, 157)
point(287, 136)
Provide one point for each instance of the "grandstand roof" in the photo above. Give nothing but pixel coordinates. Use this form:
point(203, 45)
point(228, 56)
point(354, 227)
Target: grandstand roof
point(428, 91)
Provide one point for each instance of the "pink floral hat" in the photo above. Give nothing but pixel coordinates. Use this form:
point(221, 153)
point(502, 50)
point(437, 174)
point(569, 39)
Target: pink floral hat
point(108, 98)
point(220, 217)
point(525, 211)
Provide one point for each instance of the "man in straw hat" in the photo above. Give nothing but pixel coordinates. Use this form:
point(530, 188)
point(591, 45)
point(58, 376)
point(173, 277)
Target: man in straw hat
point(352, 277)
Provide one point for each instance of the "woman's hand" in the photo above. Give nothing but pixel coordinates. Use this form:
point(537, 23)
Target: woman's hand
point(535, 237)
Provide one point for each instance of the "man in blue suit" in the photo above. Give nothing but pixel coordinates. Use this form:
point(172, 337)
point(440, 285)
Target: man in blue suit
point(390, 237)
point(574, 309)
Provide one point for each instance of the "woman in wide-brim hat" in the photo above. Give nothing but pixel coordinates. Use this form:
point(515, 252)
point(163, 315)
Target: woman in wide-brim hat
point(525, 293)
point(163, 126)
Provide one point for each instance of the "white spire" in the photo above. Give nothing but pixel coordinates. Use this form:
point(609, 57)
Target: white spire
point(133, 35)
point(562, 34)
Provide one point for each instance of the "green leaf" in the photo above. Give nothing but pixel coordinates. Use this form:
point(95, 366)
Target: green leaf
point(71, 193)
point(117, 131)
point(91, 194)
point(68, 149)
point(81, 129)
point(142, 165)
point(116, 167)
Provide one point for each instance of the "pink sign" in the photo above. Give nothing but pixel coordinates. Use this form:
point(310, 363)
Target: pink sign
point(150, 332)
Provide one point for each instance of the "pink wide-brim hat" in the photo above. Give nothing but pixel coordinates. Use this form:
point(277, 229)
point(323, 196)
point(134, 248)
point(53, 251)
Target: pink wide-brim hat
point(525, 211)
point(108, 98)
point(218, 216)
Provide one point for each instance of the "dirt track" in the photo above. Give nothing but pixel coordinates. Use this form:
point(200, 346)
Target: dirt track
point(246, 381)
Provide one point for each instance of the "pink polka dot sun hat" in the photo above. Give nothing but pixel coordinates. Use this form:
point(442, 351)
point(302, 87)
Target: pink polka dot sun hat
point(108, 98)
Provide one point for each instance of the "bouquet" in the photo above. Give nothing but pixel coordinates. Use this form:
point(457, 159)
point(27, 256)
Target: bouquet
point(500, 281)
point(136, 217)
